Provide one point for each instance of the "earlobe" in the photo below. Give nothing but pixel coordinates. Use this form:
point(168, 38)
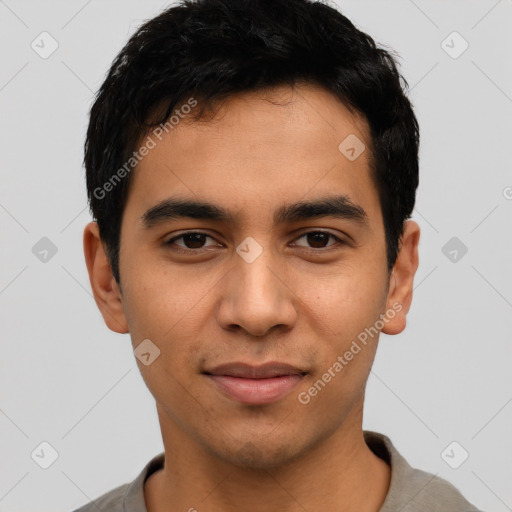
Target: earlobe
point(402, 279)
point(104, 287)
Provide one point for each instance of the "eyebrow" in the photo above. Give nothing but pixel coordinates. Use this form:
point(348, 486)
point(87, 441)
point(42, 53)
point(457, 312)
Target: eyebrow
point(340, 207)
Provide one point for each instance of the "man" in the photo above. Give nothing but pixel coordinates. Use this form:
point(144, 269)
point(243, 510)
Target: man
point(252, 167)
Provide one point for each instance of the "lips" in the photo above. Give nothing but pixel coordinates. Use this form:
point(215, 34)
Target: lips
point(255, 385)
point(265, 371)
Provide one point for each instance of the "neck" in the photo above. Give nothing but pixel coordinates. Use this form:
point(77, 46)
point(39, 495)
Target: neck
point(340, 474)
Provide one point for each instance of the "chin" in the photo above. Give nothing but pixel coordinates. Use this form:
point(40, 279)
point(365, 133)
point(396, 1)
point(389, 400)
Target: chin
point(260, 454)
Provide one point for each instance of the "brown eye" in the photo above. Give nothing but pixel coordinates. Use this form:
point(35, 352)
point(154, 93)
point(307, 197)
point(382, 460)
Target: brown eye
point(191, 241)
point(194, 240)
point(318, 239)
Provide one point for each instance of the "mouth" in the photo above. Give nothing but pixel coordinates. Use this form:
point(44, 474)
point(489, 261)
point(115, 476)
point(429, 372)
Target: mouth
point(255, 385)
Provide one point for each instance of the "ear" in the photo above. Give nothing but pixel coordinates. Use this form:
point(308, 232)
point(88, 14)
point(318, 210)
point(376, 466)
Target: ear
point(104, 287)
point(401, 279)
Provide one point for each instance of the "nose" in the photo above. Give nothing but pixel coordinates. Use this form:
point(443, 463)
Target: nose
point(257, 296)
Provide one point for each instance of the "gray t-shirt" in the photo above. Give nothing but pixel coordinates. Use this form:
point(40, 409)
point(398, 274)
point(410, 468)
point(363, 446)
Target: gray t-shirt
point(410, 490)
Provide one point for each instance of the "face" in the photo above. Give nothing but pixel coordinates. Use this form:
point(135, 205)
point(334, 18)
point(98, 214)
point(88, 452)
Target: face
point(277, 289)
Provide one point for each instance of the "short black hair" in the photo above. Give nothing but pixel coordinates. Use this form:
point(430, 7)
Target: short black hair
point(209, 50)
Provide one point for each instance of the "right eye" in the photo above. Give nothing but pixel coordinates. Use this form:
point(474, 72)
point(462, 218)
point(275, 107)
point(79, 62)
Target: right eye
point(193, 241)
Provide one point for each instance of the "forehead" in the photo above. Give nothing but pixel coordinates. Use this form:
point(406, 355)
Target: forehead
point(260, 149)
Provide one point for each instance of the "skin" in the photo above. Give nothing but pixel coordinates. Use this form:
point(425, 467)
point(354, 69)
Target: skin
point(291, 304)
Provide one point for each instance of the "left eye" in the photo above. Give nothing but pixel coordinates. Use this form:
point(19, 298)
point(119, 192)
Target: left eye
point(318, 238)
point(196, 240)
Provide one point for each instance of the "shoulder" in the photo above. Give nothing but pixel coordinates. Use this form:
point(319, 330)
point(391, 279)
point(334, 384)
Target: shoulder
point(111, 501)
point(411, 489)
point(425, 491)
point(127, 497)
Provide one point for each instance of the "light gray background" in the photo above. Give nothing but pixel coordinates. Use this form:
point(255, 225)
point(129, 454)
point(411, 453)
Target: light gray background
point(66, 379)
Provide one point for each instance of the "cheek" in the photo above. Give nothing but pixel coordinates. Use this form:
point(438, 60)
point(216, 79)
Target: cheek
point(169, 310)
point(165, 312)
point(345, 312)
point(346, 301)
point(160, 298)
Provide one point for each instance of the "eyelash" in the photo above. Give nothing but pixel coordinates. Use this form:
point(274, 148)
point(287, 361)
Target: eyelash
point(179, 249)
